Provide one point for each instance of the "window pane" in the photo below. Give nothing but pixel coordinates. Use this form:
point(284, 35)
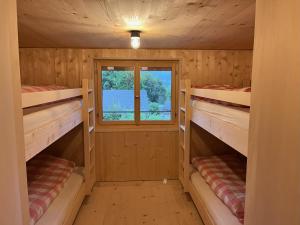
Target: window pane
point(118, 93)
point(155, 93)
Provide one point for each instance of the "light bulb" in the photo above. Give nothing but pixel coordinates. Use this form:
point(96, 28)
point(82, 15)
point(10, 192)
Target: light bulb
point(135, 39)
point(135, 42)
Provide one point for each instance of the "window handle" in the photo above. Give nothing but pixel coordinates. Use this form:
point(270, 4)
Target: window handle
point(137, 96)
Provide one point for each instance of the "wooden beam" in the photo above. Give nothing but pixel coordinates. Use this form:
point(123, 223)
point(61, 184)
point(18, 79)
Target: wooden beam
point(273, 180)
point(14, 198)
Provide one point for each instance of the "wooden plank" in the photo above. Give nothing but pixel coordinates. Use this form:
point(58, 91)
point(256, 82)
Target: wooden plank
point(203, 143)
point(37, 98)
point(212, 25)
point(187, 134)
point(236, 97)
point(14, 195)
point(149, 202)
point(136, 155)
point(75, 205)
point(273, 161)
point(200, 66)
point(41, 137)
point(202, 209)
point(234, 136)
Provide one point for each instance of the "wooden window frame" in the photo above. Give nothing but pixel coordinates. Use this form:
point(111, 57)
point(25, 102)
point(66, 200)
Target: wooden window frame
point(136, 64)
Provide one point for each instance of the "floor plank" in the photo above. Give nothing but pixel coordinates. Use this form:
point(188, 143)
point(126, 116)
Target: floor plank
point(138, 203)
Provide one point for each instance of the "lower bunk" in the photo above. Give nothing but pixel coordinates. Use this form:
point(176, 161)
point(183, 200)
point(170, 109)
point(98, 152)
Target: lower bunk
point(56, 189)
point(218, 190)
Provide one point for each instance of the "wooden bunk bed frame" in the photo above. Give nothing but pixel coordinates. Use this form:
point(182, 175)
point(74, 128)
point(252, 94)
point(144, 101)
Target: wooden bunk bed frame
point(37, 98)
point(186, 116)
point(61, 126)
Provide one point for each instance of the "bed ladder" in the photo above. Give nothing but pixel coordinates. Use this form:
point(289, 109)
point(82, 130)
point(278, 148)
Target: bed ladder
point(89, 133)
point(184, 132)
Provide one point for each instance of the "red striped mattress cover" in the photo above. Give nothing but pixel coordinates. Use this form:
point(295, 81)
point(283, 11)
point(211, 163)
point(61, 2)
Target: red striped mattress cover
point(46, 178)
point(225, 87)
point(221, 87)
point(30, 88)
point(226, 176)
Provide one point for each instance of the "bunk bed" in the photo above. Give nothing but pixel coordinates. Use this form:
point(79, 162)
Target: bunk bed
point(222, 111)
point(49, 112)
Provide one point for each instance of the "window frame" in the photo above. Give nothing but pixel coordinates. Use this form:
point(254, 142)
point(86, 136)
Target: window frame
point(137, 65)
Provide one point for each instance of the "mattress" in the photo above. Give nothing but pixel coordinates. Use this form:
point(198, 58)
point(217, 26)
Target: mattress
point(30, 88)
point(55, 214)
point(238, 116)
point(43, 127)
point(222, 87)
point(46, 176)
point(216, 208)
point(226, 176)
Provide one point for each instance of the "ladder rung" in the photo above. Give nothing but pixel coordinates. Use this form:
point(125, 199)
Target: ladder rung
point(181, 179)
point(92, 147)
point(182, 127)
point(182, 147)
point(91, 128)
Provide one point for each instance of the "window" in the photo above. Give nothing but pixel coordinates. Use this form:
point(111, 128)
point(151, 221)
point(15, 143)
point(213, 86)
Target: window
point(136, 92)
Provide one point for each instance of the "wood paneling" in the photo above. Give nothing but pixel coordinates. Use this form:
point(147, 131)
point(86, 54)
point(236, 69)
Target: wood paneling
point(184, 24)
point(13, 194)
point(273, 181)
point(70, 146)
point(136, 155)
point(69, 66)
point(204, 143)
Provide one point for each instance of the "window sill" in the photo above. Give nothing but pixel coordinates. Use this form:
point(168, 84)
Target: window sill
point(133, 128)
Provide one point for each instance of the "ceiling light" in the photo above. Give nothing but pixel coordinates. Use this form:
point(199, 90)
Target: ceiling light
point(135, 39)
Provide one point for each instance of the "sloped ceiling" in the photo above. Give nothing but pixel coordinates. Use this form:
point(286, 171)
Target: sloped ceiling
point(174, 24)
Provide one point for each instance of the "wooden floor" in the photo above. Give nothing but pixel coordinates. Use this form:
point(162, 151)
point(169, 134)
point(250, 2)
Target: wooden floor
point(138, 203)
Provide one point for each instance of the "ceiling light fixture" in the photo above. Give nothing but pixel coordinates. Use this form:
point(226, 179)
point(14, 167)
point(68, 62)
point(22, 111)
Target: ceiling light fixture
point(135, 39)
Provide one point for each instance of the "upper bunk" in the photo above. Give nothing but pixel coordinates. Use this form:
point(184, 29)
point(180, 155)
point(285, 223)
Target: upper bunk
point(49, 112)
point(224, 93)
point(222, 111)
point(38, 95)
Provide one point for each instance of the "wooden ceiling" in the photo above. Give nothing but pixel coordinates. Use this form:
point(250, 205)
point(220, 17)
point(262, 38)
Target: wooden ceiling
point(174, 24)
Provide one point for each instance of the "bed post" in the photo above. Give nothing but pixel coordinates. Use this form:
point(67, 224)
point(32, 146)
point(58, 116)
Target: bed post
point(89, 133)
point(184, 132)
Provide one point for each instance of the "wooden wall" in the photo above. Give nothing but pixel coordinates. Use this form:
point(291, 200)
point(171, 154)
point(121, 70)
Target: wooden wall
point(126, 154)
point(137, 155)
point(13, 195)
point(69, 66)
point(273, 180)
point(203, 143)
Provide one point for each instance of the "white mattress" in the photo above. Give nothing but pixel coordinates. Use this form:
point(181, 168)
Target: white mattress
point(37, 119)
point(236, 115)
point(217, 210)
point(58, 209)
